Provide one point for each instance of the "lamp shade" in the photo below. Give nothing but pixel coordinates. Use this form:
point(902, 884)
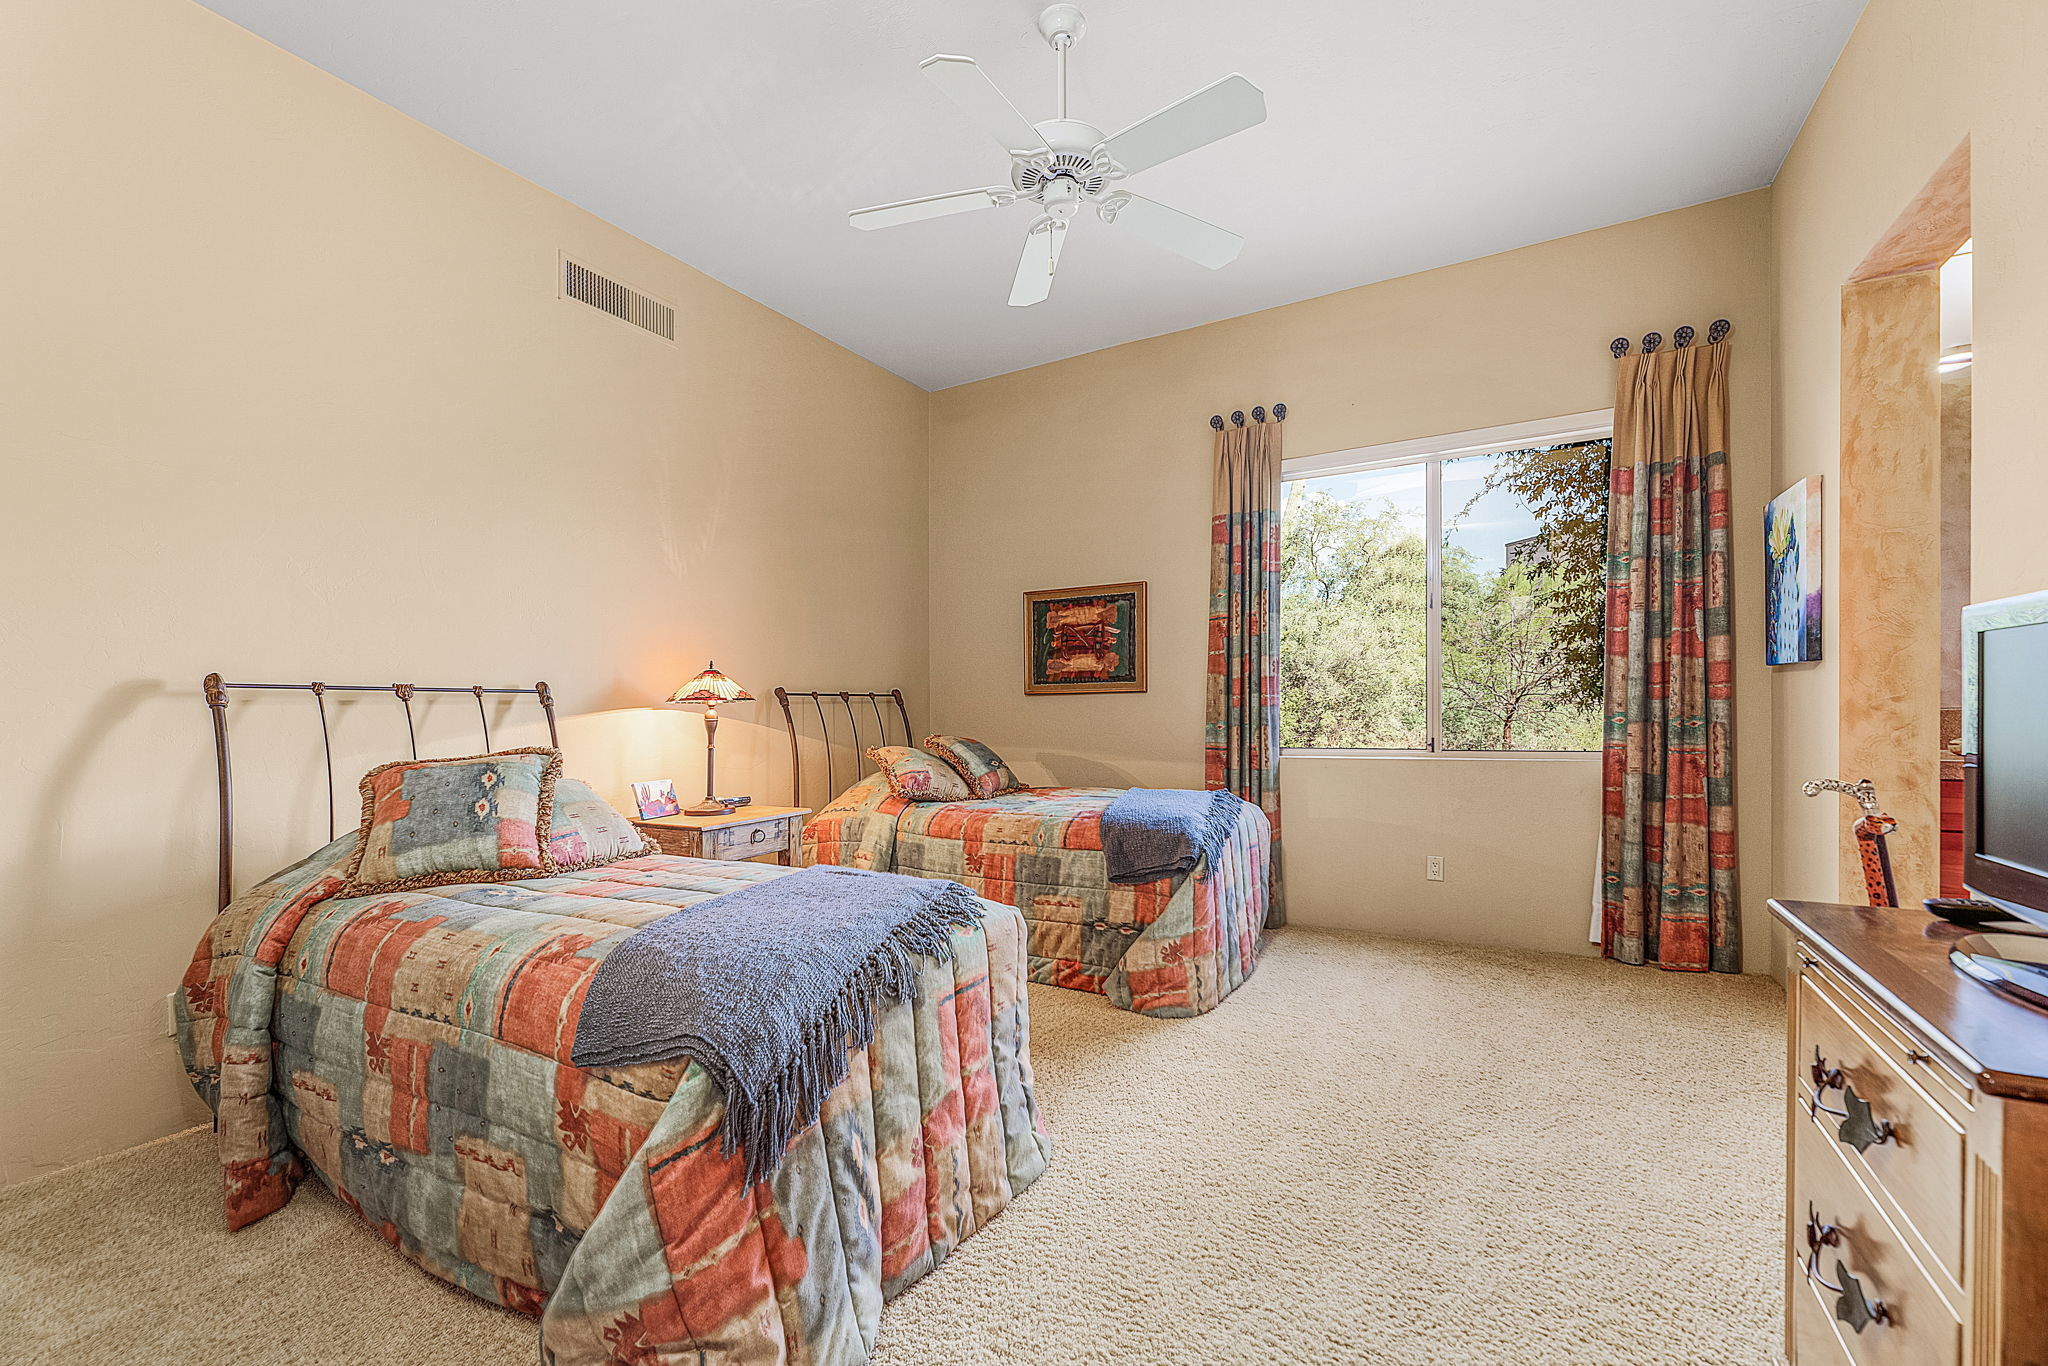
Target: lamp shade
point(711, 686)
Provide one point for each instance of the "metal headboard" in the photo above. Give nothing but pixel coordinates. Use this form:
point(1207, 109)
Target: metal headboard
point(819, 704)
point(217, 702)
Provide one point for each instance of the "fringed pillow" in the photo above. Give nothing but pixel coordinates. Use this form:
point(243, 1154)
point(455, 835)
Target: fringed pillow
point(436, 822)
point(589, 832)
point(983, 769)
point(917, 776)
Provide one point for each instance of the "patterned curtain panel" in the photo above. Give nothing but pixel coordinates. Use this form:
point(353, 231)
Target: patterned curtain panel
point(1242, 740)
point(1668, 858)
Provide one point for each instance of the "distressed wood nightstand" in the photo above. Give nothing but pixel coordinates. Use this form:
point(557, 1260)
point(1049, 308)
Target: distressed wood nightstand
point(749, 832)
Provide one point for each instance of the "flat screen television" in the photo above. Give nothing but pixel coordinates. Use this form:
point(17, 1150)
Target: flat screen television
point(2005, 753)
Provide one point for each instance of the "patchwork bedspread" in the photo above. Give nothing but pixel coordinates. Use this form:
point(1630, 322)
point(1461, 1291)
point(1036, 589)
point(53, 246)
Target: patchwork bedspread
point(413, 1050)
point(1176, 946)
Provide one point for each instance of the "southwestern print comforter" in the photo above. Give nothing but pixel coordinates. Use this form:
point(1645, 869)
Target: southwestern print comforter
point(1176, 946)
point(413, 1051)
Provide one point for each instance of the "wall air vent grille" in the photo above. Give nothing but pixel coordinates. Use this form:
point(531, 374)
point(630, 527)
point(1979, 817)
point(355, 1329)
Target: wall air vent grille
point(626, 304)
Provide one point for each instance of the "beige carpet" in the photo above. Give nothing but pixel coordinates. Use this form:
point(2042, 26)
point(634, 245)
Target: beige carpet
point(1376, 1152)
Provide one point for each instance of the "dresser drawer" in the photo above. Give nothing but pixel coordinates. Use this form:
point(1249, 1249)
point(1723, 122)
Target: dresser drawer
point(1814, 1340)
point(1950, 1090)
point(1917, 1159)
point(745, 841)
point(1918, 1327)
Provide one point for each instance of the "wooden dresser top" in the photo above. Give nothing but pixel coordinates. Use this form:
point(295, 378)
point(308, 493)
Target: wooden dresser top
point(1901, 957)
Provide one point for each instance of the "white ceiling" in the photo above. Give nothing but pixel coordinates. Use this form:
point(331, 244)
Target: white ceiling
point(1400, 137)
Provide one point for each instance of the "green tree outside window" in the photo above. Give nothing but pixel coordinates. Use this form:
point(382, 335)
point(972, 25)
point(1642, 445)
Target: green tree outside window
point(1520, 560)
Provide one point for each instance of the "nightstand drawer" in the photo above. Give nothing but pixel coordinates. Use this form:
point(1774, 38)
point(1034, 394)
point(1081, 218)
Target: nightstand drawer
point(746, 841)
point(770, 831)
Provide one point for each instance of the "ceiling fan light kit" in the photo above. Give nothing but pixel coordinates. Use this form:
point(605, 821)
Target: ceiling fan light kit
point(1063, 164)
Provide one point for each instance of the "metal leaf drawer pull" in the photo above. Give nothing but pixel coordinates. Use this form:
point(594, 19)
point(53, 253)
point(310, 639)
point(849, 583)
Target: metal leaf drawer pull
point(1860, 1129)
point(1852, 1306)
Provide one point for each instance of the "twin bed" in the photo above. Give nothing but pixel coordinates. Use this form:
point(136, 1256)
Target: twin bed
point(1175, 946)
point(413, 1050)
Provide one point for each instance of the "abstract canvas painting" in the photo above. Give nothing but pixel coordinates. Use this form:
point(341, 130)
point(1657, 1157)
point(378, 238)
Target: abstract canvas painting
point(1085, 639)
point(1792, 586)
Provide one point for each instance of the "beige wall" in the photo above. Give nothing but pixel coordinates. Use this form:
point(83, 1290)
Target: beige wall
point(286, 390)
point(1096, 469)
point(1916, 78)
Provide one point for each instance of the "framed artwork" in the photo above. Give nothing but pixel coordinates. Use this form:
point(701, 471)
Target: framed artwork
point(1085, 639)
point(1792, 574)
point(657, 799)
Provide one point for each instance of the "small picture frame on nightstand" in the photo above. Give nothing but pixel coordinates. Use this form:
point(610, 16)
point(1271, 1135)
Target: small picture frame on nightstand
point(656, 799)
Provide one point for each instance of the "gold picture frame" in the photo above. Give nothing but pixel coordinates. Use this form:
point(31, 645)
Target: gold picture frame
point(1089, 639)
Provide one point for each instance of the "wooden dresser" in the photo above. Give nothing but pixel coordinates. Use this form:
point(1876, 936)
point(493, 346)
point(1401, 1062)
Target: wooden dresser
point(1917, 1151)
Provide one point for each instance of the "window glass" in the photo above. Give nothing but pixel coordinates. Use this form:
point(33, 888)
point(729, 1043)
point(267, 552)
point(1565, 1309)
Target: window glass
point(1354, 611)
point(1518, 543)
point(1524, 551)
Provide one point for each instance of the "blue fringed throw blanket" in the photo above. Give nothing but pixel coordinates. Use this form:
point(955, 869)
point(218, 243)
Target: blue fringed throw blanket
point(1150, 832)
point(768, 988)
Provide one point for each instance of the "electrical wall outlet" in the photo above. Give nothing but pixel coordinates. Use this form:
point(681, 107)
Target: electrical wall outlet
point(1436, 867)
point(171, 1015)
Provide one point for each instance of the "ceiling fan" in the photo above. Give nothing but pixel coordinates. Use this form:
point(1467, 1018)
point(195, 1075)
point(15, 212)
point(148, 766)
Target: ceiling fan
point(1061, 164)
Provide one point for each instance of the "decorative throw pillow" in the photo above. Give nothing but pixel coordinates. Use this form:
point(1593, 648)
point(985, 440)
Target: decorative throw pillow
point(918, 776)
point(986, 773)
point(589, 832)
point(434, 822)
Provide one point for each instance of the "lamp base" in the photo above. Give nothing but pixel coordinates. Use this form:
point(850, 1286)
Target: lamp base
point(706, 807)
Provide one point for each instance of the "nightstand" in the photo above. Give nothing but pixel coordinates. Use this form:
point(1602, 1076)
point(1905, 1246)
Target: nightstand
point(748, 832)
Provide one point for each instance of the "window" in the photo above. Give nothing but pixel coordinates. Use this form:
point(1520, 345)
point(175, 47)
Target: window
point(1447, 595)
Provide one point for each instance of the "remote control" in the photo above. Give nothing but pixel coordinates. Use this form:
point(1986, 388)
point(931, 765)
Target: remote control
point(1962, 910)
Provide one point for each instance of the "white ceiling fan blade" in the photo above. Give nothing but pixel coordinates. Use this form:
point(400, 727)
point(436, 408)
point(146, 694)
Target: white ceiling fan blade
point(1231, 105)
point(968, 86)
point(1041, 258)
point(931, 206)
point(1203, 243)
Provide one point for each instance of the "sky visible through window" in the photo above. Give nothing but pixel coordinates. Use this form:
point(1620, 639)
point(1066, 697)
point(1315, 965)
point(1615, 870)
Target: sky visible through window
point(1495, 520)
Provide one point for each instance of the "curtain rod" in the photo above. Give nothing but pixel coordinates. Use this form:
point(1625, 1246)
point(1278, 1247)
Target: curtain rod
point(1718, 332)
point(1258, 415)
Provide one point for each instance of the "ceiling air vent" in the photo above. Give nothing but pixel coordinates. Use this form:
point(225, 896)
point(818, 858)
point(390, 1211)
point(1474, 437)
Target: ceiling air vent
point(628, 305)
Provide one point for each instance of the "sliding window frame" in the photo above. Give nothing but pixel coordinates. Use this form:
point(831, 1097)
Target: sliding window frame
point(1434, 453)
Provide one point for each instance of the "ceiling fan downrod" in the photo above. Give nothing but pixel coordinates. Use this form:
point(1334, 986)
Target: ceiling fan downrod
point(1062, 26)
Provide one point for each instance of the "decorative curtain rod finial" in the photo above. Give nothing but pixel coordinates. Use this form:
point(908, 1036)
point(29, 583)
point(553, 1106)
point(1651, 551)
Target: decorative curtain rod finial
point(1237, 418)
point(1717, 332)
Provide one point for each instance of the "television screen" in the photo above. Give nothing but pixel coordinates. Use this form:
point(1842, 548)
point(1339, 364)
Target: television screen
point(2012, 746)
